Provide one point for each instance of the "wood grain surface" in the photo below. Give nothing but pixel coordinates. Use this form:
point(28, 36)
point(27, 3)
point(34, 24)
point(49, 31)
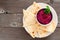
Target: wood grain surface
point(19, 33)
point(11, 23)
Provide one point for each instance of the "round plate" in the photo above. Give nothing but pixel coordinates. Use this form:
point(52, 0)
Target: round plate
point(55, 17)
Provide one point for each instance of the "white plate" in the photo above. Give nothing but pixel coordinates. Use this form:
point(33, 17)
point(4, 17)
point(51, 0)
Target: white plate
point(55, 17)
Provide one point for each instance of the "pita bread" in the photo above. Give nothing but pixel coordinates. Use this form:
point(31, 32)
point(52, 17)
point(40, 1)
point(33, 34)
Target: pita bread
point(51, 27)
point(34, 8)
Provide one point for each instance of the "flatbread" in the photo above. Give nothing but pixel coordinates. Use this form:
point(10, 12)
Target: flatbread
point(34, 8)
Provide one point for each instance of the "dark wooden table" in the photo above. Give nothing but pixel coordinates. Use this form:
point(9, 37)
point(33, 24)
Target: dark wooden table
point(11, 23)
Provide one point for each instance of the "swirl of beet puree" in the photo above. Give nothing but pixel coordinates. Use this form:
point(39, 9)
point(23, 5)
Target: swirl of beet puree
point(44, 18)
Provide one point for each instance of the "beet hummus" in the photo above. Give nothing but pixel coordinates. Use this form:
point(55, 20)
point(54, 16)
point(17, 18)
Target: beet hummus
point(44, 18)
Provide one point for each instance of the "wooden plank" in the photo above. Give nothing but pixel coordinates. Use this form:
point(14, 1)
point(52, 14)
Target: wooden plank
point(17, 5)
point(21, 34)
point(13, 34)
point(56, 0)
point(10, 20)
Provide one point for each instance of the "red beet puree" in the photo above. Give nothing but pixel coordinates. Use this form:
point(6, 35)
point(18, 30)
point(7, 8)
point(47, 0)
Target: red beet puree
point(44, 18)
